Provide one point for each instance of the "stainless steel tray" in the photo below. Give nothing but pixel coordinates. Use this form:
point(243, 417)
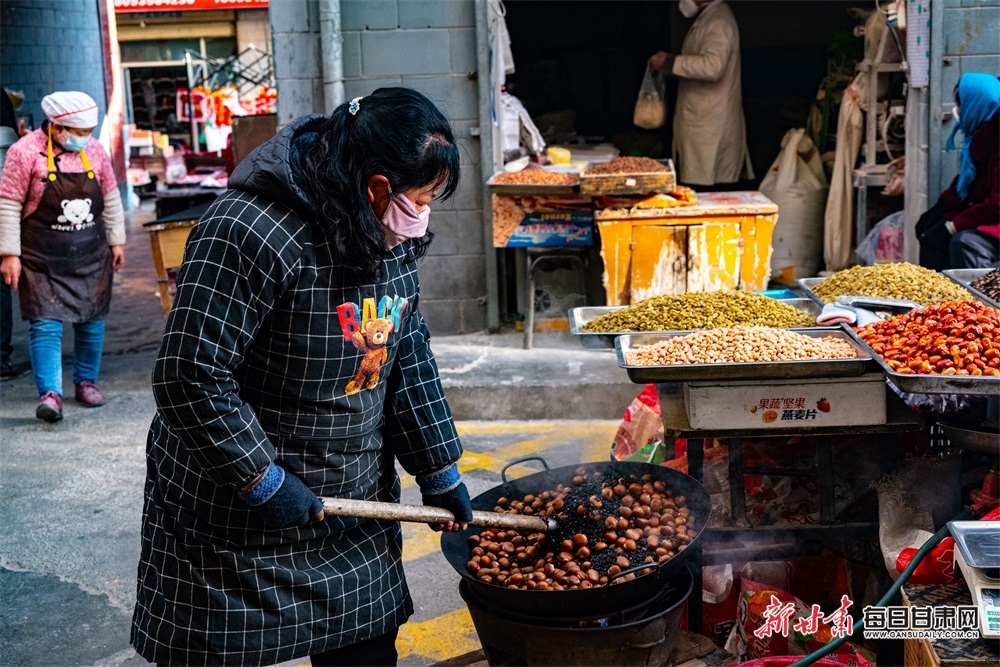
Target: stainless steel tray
point(529, 189)
point(578, 317)
point(965, 278)
point(757, 370)
point(978, 542)
point(934, 384)
point(807, 285)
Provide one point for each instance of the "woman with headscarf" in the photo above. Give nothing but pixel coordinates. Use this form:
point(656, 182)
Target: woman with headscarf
point(62, 236)
point(962, 230)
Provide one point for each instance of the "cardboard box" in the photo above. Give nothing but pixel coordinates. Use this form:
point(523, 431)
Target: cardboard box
point(783, 404)
point(542, 221)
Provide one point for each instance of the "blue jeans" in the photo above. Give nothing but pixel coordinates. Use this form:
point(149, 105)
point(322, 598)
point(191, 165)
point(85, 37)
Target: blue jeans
point(45, 348)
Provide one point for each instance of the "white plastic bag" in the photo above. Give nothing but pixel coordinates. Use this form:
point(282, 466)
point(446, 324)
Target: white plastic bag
point(797, 184)
point(651, 106)
point(884, 243)
point(912, 502)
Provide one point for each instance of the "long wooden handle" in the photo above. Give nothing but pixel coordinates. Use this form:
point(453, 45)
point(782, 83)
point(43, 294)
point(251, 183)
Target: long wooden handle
point(369, 509)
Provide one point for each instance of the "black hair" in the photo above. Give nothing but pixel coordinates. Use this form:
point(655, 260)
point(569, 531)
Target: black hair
point(958, 102)
point(395, 132)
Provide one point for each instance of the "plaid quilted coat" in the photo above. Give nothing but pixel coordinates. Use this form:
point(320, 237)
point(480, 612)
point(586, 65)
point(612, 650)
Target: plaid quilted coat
point(269, 354)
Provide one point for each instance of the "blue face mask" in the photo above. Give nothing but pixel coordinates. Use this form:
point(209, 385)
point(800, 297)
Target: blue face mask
point(71, 142)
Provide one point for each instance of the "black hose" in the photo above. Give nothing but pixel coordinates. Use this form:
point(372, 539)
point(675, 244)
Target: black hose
point(925, 549)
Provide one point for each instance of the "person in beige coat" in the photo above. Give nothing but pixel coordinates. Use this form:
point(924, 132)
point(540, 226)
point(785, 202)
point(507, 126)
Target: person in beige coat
point(710, 145)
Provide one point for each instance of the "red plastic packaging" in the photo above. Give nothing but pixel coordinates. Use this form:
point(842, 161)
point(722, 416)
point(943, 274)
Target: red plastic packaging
point(782, 660)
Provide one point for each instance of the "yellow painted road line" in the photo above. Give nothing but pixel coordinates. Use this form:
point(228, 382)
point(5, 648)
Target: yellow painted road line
point(500, 427)
point(419, 540)
point(440, 638)
point(596, 436)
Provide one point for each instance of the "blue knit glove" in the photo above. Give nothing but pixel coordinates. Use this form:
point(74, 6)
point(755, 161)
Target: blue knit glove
point(444, 488)
point(282, 499)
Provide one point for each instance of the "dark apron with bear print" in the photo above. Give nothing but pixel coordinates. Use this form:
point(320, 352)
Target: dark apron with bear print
point(66, 264)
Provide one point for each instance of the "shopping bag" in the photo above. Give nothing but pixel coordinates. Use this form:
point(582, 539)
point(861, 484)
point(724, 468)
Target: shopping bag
point(797, 183)
point(884, 243)
point(651, 106)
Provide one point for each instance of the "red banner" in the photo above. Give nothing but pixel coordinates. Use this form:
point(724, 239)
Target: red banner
point(198, 104)
point(186, 5)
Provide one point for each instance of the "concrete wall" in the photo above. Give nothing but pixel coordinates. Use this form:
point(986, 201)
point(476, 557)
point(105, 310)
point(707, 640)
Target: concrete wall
point(428, 45)
point(963, 39)
point(252, 27)
point(50, 46)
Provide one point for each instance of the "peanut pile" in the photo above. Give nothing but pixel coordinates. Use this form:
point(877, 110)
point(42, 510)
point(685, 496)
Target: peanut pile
point(628, 165)
point(739, 345)
point(536, 177)
point(955, 338)
point(989, 284)
point(898, 280)
point(607, 525)
point(701, 310)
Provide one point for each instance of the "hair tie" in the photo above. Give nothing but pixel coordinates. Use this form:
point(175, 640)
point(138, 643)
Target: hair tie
point(355, 105)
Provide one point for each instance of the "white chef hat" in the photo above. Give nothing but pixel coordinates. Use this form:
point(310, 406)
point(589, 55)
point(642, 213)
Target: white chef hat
point(71, 109)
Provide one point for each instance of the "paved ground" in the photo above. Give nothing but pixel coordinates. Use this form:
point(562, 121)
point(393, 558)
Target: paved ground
point(70, 493)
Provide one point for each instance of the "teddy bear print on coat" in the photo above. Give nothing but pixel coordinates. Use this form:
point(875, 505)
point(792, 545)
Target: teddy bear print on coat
point(371, 341)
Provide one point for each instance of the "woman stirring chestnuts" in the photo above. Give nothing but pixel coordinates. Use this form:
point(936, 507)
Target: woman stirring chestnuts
point(296, 363)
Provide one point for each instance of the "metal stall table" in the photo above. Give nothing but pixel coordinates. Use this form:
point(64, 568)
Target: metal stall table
point(899, 419)
point(548, 225)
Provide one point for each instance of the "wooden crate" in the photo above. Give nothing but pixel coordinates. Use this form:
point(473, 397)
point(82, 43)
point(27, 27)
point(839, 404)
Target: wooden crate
point(944, 652)
point(628, 184)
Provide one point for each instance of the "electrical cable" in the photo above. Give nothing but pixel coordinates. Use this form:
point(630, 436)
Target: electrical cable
point(932, 542)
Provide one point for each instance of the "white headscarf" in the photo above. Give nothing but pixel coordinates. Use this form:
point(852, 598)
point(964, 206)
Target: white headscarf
point(71, 109)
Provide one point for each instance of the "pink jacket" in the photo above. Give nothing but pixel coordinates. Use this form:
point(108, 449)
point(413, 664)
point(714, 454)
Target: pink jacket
point(24, 178)
point(26, 167)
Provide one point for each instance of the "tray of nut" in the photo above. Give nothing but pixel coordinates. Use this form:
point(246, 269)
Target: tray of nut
point(945, 348)
point(629, 176)
point(535, 181)
point(984, 283)
point(598, 326)
point(898, 280)
point(741, 353)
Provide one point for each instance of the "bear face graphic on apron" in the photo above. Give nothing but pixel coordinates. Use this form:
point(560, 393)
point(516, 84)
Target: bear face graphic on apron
point(66, 264)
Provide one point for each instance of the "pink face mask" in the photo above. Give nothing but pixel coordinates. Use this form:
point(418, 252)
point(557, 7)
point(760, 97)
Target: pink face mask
point(402, 221)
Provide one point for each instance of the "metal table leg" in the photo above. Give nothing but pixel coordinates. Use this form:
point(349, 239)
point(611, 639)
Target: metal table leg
point(737, 487)
point(529, 315)
point(824, 475)
point(861, 215)
point(534, 258)
point(696, 459)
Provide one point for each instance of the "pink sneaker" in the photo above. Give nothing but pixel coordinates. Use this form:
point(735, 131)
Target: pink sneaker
point(89, 395)
point(49, 407)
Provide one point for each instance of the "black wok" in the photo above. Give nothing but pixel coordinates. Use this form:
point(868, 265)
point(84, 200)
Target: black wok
point(599, 601)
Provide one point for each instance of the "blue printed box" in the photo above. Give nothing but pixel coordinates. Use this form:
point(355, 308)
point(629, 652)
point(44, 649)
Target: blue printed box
point(548, 221)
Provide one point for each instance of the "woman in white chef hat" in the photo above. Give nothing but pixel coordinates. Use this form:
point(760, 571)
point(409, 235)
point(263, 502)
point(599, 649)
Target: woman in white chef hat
point(62, 236)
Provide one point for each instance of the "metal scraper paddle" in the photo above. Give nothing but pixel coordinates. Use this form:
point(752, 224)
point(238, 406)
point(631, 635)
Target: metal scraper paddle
point(369, 509)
